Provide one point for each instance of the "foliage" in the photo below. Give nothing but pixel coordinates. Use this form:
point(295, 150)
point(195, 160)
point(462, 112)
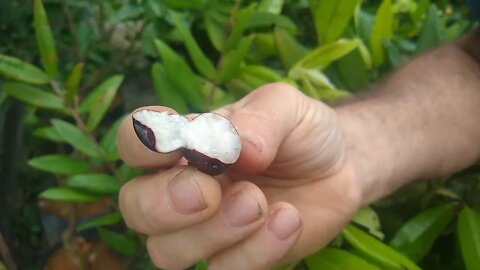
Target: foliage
point(200, 55)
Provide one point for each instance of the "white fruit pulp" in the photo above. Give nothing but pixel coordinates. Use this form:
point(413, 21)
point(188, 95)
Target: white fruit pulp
point(209, 133)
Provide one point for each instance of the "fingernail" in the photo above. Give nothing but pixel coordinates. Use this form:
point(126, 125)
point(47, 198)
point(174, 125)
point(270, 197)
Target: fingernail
point(283, 223)
point(184, 193)
point(241, 209)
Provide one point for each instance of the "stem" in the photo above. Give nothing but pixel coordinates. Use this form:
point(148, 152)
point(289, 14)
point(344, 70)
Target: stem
point(68, 238)
point(56, 88)
point(6, 254)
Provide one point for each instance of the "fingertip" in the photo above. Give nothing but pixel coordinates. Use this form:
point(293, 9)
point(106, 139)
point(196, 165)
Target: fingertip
point(133, 152)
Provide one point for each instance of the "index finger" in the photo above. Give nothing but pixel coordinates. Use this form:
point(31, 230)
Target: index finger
point(135, 153)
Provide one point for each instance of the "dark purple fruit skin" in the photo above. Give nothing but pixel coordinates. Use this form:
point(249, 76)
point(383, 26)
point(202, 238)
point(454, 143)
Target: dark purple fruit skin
point(204, 163)
point(145, 134)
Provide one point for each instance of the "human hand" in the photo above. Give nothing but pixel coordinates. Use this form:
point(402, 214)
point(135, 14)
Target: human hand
point(288, 195)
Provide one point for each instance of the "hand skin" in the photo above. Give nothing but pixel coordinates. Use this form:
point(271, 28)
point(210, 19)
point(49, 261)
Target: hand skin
point(305, 167)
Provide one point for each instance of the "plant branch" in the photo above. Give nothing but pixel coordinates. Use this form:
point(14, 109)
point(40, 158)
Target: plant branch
point(68, 238)
point(56, 88)
point(6, 254)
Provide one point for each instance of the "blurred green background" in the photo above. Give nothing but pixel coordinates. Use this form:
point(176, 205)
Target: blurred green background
point(70, 70)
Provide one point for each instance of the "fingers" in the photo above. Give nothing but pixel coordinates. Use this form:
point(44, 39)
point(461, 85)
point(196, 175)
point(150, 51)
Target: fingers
point(132, 150)
point(265, 248)
point(242, 213)
point(169, 200)
point(264, 119)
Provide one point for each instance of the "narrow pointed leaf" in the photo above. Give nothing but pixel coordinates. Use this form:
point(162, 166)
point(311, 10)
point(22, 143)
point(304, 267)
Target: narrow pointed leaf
point(415, 238)
point(468, 230)
point(375, 251)
point(98, 102)
point(368, 218)
point(76, 138)
point(73, 82)
point(268, 20)
point(232, 61)
point(332, 17)
point(120, 243)
point(34, 96)
point(288, 49)
point(45, 40)
point(49, 133)
point(167, 93)
point(201, 62)
point(182, 77)
point(323, 56)
point(68, 195)
point(430, 35)
point(15, 69)
point(109, 141)
point(94, 183)
point(238, 27)
point(271, 6)
point(59, 164)
point(103, 220)
point(214, 25)
point(337, 259)
point(382, 30)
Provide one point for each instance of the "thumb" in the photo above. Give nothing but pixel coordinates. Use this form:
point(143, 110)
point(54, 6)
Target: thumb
point(264, 119)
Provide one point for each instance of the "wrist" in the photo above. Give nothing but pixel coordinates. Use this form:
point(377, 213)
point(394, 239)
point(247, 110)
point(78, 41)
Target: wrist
point(370, 150)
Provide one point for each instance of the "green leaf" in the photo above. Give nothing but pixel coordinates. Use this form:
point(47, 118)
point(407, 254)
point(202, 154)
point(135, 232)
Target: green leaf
point(353, 71)
point(430, 35)
point(368, 218)
point(127, 172)
point(48, 133)
point(375, 251)
point(232, 61)
point(288, 49)
point(68, 195)
point(181, 75)
point(103, 220)
point(15, 69)
point(169, 96)
point(416, 236)
point(201, 265)
point(238, 27)
point(45, 40)
point(73, 82)
point(332, 17)
point(76, 138)
point(324, 55)
point(214, 24)
point(271, 6)
point(201, 62)
point(337, 259)
point(382, 30)
point(109, 141)
point(468, 230)
point(266, 20)
point(98, 102)
point(257, 75)
point(126, 12)
point(34, 96)
point(187, 4)
point(94, 183)
point(123, 244)
point(59, 164)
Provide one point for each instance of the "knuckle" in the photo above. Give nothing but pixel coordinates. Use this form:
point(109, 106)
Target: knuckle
point(164, 259)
